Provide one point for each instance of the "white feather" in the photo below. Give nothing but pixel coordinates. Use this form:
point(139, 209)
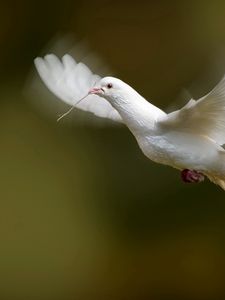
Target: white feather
point(70, 81)
point(205, 116)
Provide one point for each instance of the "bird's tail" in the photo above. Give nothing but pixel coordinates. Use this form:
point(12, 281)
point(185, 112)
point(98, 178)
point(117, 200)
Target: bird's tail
point(217, 180)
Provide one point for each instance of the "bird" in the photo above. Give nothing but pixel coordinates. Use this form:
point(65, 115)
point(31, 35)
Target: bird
point(189, 139)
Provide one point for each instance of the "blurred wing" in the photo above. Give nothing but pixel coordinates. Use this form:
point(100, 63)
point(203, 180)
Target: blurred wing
point(205, 116)
point(70, 81)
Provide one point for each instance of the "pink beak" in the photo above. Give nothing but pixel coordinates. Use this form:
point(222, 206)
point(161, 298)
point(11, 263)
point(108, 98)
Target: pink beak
point(94, 90)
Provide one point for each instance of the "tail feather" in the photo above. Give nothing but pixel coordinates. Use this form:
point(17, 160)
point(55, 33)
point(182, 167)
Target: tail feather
point(217, 180)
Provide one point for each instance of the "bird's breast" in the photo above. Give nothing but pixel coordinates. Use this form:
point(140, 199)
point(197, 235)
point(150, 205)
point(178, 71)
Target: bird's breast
point(180, 150)
point(157, 149)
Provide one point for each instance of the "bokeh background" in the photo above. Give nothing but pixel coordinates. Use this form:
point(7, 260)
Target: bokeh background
point(83, 214)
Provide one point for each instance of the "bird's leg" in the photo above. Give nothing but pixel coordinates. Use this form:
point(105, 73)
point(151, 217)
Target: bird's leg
point(192, 176)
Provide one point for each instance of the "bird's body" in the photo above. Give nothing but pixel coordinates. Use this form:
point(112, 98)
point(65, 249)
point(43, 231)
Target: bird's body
point(190, 138)
point(183, 150)
point(178, 149)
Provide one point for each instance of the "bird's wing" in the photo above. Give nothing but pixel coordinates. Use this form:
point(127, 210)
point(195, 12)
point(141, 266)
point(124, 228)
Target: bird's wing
point(205, 116)
point(70, 81)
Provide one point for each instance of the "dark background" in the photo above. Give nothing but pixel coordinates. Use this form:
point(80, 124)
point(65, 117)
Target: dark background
point(83, 214)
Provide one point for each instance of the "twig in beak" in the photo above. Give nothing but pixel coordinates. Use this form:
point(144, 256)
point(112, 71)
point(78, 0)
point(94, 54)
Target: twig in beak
point(68, 111)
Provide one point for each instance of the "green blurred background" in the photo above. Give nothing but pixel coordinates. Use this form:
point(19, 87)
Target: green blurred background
point(83, 214)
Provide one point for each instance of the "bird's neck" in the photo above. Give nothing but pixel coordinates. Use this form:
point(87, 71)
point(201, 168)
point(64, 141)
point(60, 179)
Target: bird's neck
point(138, 114)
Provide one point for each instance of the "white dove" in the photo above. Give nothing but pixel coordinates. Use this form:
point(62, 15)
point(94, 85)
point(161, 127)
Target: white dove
point(189, 139)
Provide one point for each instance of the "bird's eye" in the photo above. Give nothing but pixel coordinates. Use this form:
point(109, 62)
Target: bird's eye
point(109, 85)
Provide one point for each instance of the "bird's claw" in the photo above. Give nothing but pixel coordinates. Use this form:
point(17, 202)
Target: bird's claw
point(192, 176)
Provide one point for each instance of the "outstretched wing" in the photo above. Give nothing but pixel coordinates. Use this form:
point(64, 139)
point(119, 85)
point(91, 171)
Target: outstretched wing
point(205, 116)
point(70, 81)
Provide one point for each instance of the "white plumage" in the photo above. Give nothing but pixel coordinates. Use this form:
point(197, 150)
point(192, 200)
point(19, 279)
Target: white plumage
point(70, 81)
point(205, 116)
point(189, 138)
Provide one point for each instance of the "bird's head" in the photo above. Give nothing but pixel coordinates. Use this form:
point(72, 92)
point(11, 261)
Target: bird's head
point(109, 88)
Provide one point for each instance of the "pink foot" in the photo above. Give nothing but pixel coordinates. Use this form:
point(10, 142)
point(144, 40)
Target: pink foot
point(192, 176)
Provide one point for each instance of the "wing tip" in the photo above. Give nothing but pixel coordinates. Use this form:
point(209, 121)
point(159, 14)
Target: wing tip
point(37, 60)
